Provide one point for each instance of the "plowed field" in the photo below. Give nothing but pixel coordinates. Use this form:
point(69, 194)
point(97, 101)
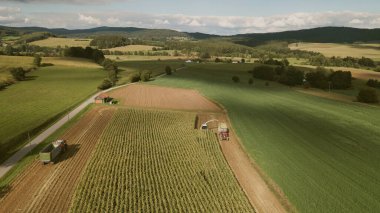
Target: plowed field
point(162, 98)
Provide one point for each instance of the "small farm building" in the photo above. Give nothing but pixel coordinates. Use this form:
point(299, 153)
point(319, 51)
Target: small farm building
point(102, 98)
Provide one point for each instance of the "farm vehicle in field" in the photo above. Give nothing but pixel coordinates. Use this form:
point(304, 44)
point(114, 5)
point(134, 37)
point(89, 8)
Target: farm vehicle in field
point(223, 131)
point(52, 151)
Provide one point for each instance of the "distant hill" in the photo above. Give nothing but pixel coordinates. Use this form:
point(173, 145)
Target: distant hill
point(322, 35)
point(126, 31)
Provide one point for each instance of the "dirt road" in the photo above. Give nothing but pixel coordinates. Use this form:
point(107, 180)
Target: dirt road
point(252, 183)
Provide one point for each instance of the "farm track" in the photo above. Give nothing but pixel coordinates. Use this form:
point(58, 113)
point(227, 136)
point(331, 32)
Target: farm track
point(248, 176)
point(49, 188)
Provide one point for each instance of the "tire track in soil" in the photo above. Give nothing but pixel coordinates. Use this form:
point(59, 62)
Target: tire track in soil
point(49, 188)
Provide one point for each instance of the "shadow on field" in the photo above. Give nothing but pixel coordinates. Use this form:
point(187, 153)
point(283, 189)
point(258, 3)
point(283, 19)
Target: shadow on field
point(71, 151)
point(30, 78)
point(4, 190)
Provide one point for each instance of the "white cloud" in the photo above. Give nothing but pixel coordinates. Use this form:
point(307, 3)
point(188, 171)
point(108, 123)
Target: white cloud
point(113, 20)
point(9, 10)
point(89, 20)
point(64, 1)
point(376, 21)
point(207, 24)
point(356, 21)
point(6, 18)
point(161, 22)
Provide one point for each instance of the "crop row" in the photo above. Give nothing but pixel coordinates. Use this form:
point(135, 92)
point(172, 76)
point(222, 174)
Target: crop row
point(154, 161)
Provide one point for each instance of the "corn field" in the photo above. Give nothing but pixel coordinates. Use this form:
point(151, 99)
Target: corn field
point(155, 161)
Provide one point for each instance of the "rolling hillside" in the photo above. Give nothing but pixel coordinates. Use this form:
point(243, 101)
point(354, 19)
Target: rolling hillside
point(322, 35)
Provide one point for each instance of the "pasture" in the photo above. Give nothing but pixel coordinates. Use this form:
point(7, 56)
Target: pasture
point(340, 50)
point(129, 48)
point(128, 68)
point(29, 106)
point(148, 160)
point(122, 58)
point(15, 61)
point(323, 154)
point(62, 42)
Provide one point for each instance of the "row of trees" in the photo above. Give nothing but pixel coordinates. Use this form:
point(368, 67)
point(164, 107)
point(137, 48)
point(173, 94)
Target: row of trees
point(288, 75)
point(321, 60)
point(141, 53)
point(88, 52)
point(112, 70)
point(323, 79)
point(270, 61)
point(373, 83)
point(109, 41)
point(292, 76)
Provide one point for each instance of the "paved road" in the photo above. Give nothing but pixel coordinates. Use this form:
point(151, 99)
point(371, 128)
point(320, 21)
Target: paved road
point(8, 164)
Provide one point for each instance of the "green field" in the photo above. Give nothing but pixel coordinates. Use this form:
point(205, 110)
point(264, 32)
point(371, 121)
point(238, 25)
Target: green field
point(341, 50)
point(63, 42)
point(29, 106)
point(143, 58)
point(128, 68)
point(155, 161)
point(133, 48)
point(323, 154)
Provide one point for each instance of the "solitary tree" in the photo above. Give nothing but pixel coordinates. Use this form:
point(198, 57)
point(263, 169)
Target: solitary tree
point(235, 79)
point(18, 73)
point(37, 60)
point(105, 84)
point(250, 81)
point(168, 70)
point(368, 96)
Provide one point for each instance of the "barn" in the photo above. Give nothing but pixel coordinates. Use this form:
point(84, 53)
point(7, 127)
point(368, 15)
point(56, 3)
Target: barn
point(102, 98)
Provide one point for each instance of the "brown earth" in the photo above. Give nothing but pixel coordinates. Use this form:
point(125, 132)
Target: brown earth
point(139, 95)
point(49, 188)
point(250, 179)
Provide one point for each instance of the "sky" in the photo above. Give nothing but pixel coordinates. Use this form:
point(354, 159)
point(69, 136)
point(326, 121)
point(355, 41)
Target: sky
point(223, 17)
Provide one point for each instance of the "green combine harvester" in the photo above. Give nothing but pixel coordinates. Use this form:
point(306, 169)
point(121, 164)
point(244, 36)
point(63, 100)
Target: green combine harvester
point(50, 153)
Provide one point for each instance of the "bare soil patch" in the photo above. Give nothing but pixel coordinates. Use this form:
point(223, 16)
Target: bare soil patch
point(139, 95)
point(49, 188)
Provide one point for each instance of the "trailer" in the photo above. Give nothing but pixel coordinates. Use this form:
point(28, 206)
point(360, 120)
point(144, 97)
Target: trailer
point(223, 131)
point(51, 151)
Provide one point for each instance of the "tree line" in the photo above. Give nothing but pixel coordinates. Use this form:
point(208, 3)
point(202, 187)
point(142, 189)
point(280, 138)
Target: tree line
point(109, 41)
point(320, 60)
point(292, 76)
